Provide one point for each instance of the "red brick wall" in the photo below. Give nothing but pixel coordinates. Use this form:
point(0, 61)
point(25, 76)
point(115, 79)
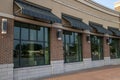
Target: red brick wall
point(56, 46)
point(106, 48)
point(6, 44)
point(86, 47)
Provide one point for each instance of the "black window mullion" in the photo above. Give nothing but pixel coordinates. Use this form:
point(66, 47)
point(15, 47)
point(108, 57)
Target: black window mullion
point(99, 47)
point(77, 40)
point(74, 37)
point(37, 35)
point(80, 47)
point(64, 42)
point(20, 49)
point(92, 44)
point(69, 39)
point(49, 44)
point(117, 47)
point(69, 44)
point(102, 49)
point(65, 47)
point(44, 34)
point(29, 33)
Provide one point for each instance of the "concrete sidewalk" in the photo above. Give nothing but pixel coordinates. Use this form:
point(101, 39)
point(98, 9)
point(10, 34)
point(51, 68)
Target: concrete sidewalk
point(102, 73)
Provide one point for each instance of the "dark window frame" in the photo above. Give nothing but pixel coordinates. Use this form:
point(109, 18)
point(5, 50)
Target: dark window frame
point(100, 54)
point(79, 50)
point(115, 44)
point(34, 41)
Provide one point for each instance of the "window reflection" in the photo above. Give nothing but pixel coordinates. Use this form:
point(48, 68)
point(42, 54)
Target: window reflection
point(32, 48)
point(32, 54)
point(40, 34)
point(17, 33)
point(114, 48)
point(24, 33)
point(46, 35)
point(16, 53)
point(72, 47)
point(97, 48)
point(47, 53)
point(33, 32)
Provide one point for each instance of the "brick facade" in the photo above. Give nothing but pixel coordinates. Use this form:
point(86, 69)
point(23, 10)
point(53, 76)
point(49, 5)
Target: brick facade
point(6, 42)
point(56, 46)
point(84, 9)
point(106, 48)
point(86, 47)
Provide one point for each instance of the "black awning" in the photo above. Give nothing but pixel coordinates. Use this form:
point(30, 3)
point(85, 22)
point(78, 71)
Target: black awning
point(37, 12)
point(76, 22)
point(114, 30)
point(100, 29)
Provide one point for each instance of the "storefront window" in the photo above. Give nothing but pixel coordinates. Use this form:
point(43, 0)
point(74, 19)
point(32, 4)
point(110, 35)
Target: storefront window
point(97, 48)
point(31, 48)
point(72, 47)
point(24, 31)
point(114, 48)
point(40, 34)
point(33, 33)
point(17, 33)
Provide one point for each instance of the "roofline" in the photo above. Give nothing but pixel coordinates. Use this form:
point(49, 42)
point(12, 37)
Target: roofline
point(117, 4)
point(99, 7)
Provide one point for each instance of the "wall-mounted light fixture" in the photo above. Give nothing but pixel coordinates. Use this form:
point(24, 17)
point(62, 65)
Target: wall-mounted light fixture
point(87, 35)
point(4, 26)
point(59, 34)
point(88, 38)
point(108, 40)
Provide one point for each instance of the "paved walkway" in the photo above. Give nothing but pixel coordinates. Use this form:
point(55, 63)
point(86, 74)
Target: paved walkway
point(103, 73)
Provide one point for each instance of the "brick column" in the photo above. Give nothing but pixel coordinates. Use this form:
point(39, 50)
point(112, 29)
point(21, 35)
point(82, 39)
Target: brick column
point(56, 51)
point(6, 52)
point(86, 51)
point(106, 48)
point(106, 51)
point(86, 47)
point(56, 46)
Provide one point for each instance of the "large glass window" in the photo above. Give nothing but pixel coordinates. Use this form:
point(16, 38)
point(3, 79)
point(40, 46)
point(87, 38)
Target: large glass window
point(31, 45)
point(24, 31)
point(114, 48)
point(97, 48)
point(72, 47)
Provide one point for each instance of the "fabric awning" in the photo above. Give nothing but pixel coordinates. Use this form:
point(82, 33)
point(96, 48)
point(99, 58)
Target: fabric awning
point(76, 22)
point(114, 30)
point(100, 29)
point(37, 12)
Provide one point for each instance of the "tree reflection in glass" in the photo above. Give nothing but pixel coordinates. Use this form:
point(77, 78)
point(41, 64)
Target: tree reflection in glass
point(114, 48)
point(72, 47)
point(97, 47)
point(31, 48)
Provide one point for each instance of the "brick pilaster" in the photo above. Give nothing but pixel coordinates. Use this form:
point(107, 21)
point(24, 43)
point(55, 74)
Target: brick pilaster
point(86, 47)
point(6, 43)
point(106, 48)
point(56, 46)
